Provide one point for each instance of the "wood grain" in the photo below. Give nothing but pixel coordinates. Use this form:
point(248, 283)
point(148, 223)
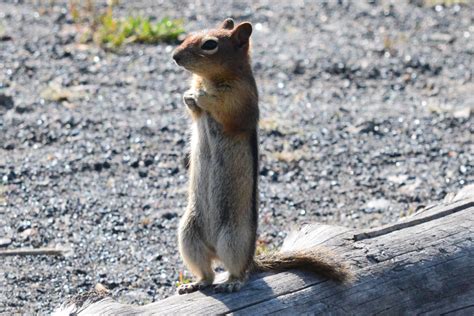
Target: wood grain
point(421, 265)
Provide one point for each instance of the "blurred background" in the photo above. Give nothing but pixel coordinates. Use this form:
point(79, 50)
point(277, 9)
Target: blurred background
point(366, 116)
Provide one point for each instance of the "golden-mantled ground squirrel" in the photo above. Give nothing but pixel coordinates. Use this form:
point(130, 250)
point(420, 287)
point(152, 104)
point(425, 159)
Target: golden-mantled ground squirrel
point(220, 221)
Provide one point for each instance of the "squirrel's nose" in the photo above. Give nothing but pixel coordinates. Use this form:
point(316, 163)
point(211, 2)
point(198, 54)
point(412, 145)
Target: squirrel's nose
point(176, 57)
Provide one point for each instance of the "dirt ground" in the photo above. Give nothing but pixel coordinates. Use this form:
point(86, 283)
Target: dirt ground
point(365, 117)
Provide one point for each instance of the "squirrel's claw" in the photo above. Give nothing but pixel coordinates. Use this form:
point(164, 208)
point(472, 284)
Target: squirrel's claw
point(189, 99)
point(228, 287)
point(192, 287)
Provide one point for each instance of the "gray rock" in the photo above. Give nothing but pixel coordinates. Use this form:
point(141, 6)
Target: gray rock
point(378, 205)
point(5, 242)
point(6, 102)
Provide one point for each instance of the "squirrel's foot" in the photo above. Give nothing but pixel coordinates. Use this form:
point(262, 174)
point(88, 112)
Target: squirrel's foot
point(192, 287)
point(228, 286)
point(190, 98)
point(197, 100)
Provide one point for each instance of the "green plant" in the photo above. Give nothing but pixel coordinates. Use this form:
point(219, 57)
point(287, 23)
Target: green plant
point(112, 33)
point(262, 248)
point(99, 25)
point(182, 279)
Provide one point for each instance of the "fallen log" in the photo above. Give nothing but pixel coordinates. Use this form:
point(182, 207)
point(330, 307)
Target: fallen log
point(422, 264)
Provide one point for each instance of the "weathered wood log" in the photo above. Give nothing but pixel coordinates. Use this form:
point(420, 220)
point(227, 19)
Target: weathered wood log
point(422, 264)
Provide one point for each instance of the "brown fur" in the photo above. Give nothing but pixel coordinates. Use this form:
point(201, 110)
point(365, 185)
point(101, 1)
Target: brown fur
point(318, 260)
point(226, 76)
point(220, 221)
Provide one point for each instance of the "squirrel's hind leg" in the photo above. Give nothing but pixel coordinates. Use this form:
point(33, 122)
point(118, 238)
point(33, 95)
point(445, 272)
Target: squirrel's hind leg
point(236, 253)
point(198, 259)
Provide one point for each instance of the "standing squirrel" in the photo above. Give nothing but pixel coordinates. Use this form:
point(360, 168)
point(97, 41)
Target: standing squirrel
point(220, 221)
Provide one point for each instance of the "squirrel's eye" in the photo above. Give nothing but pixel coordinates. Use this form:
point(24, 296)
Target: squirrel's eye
point(209, 45)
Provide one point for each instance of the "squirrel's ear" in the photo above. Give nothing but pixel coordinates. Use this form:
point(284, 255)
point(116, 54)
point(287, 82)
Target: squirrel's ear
point(241, 34)
point(228, 24)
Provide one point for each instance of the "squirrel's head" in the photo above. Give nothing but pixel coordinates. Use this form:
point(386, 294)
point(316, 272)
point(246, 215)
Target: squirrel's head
point(220, 52)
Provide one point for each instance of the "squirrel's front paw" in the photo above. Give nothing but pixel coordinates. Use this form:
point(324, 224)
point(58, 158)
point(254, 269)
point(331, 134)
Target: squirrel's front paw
point(190, 99)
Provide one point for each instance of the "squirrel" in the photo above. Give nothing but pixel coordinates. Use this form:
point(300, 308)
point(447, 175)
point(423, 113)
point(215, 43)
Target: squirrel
point(220, 221)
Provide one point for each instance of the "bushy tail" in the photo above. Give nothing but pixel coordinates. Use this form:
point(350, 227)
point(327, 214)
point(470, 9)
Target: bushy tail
point(318, 260)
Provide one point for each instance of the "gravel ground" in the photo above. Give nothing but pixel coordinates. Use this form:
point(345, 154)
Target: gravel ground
point(366, 116)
